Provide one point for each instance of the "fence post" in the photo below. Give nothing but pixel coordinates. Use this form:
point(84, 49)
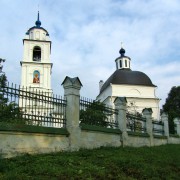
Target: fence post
point(72, 88)
point(120, 105)
point(164, 118)
point(177, 122)
point(147, 113)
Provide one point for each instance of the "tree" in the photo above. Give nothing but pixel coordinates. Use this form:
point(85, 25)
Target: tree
point(9, 111)
point(3, 84)
point(95, 114)
point(3, 99)
point(172, 106)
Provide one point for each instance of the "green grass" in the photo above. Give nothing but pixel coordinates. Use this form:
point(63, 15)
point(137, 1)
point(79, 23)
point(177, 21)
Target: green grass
point(161, 162)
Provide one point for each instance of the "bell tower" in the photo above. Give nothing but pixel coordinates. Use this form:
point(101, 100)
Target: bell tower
point(36, 65)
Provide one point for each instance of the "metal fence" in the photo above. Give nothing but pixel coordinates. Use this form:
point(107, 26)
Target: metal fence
point(96, 113)
point(135, 123)
point(32, 107)
point(158, 127)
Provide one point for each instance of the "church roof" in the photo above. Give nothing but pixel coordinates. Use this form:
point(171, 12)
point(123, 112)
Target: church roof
point(129, 77)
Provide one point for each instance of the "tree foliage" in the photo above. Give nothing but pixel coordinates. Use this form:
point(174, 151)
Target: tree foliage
point(172, 106)
point(9, 111)
point(3, 84)
point(94, 114)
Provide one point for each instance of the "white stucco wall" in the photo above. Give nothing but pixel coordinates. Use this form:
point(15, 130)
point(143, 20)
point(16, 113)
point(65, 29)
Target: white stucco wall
point(173, 140)
point(133, 91)
point(91, 139)
point(37, 34)
point(28, 50)
point(45, 75)
point(16, 143)
point(136, 141)
point(159, 141)
point(138, 97)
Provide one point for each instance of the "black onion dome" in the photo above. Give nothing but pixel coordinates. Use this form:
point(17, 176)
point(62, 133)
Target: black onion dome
point(122, 52)
point(38, 23)
point(126, 76)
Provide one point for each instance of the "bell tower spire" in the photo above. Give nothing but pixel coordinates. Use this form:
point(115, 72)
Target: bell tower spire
point(38, 22)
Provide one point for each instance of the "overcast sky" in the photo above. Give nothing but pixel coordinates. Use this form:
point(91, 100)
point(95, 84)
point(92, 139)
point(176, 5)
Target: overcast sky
point(86, 37)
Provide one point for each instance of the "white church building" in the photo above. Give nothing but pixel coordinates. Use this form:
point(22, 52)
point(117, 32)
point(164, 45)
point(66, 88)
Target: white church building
point(136, 86)
point(36, 67)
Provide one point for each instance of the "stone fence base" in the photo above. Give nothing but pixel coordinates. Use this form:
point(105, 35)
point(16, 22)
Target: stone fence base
point(15, 143)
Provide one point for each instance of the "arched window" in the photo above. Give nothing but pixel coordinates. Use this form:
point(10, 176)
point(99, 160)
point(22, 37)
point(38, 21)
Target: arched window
point(125, 63)
point(36, 76)
point(116, 65)
point(37, 53)
point(120, 64)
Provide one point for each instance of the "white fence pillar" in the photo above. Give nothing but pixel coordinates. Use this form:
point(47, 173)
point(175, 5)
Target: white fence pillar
point(164, 118)
point(177, 123)
point(72, 88)
point(147, 113)
point(120, 104)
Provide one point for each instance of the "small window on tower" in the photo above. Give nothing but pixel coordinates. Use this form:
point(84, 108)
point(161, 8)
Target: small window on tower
point(116, 65)
point(125, 63)
point(120, 64)
point(37, 53)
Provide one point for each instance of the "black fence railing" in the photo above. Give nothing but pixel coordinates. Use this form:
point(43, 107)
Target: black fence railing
point(158, 127)
point(135, 123)
point(31, 107)
point(96, 113)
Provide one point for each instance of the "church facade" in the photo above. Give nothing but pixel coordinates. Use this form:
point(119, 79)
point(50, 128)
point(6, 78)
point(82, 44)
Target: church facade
point(136, 86)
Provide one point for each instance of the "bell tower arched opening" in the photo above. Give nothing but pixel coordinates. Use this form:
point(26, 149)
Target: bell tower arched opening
point(37, 53)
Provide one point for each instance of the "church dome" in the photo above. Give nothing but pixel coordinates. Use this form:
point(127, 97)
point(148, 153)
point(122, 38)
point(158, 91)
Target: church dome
point(129, 77)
